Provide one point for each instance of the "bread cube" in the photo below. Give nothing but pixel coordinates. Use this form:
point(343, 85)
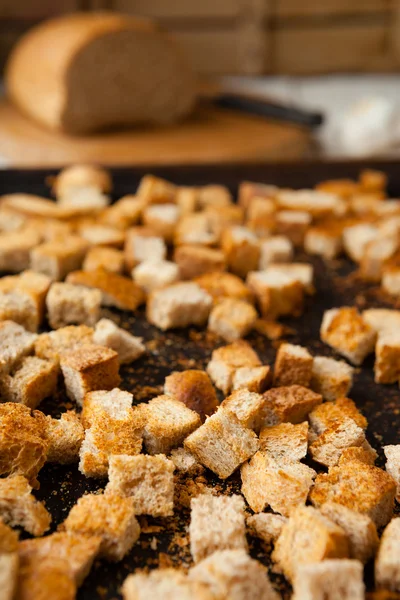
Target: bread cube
point(49, 577)
point(196, 229)
point(8, 539)
point(161, 584)
point(365, 454)
point(275, 249)
point(227, 359)
point(89, 368)
point(216, 523)
point(214, 195)
point(101, 406)
point(293, 365)
point(178, 305)
point(78, 176)
point(30, 283)
point(155, 190)
point(253, 379)
point(387, 357)
point(128, 347)
point(162, 218)
point(320, 202)
point(15, 343)
point(308, 537)
point(97, 234)
point(65, 436)
point(249, 189)
point(187, 200)
point(289, 404)
point(248, 408)
point(387, 565)
point(261, 216)
point(19, 307)
point(221, 217)
point(382, 319)
point(360, 530)
point(329, 446)
point(266, 526)
point(242, 250)
point(149, 480)
point(72, 304)
point(143, 243)
point(59, 257)
point(232, 319)
point(124, 213)
point(356, 238)
point(276, 293)
point(8, 574)
point(185, 462)
point(15, 249)
point(331, 378)
point(329, 414)
point(303, 273)
point(194, 389)
point(19, 507)
point(194, 261)
point(282, 485)
point(151, 275)
point(34, 380)
point(375, 256)
point(293, 224)
point(221, 285)
point(325, 241)
point(108, 259)
point(50, 346)
point(392, 454)
point(345, 331)
point(330, 580)
point(285, 441)
point(109, 517)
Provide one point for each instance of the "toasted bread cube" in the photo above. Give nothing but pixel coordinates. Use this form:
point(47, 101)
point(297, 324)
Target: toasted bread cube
point(187, 200)
point(15, 249)
point(155, 190)
point(276, 293)
point(214, 195)
point(360, 530)
point(52, 345)
point(331, 378)
point(102, 235)
point(232, 319)
point(72, 304)
point(196, 229)
point(45, 577)
point(222, 443)
point(325, 241)
point(227, 359)
point(293, 365)
point(356, 485)
point(391, 280)
point(23, 441)
point(330, 580)
point(151, 275)
point(328, 447)
point(221, 217)
point(35, 285)
point(365, 454)
point(308, 537)
point(78, 176)
point(194, 389)
point(19, 507)
point(65, 436)
point(293, 224)
point(376, 254)
point(276, 249)
point(19, 307)
point(8, 539)
point(372, 180)
point(149, 480)
point(261, 216)
point(242, 250)
point(283, 485)
point(15, 343)
point(233, 574)
point(194, 261)
point(104, 406)
point(382, 319)
point(34, 380)
point(327, 415)
point(89, 368)
point(161, 584)
point(345, 330)
point(319, 202)
point(107, 516)
point(128, 347)
point(356, 238)
point(303, 273)
point(59, 257)
point(220, 285)
point(266, 526)
point(185, 462)
point(143, 243)
point(8, 575)
point(387, 357)
point(387, 565)
point(247, 406)
point(162, 218)
point(167, 422)
point(253, 379)
point(285, 441)
point(124, 213)
point(249, 189)
point(101, 257)
point(289, 404)
point(178, 305)
point(392, 454)
point(216, 523)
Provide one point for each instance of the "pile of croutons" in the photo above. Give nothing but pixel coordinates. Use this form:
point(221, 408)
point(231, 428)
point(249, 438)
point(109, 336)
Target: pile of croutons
point(289, 430)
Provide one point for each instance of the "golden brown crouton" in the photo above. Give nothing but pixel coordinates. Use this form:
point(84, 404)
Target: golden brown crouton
point(155, 190)
point(275, 249)
point(65, 436)
point(47, 578)
point(387, 357)
point(335, 579)
point(196, 229)
point(253, 379)
point(293, 365)
point(8, 539)
point(19, 507)
point(365, 454)
point(161, 584)
point(162, 218)
point(178, 305)
point(15, 249)
point(33, 380)
point(227, 359)
point(346, 331)
point(72, 304)
point(214, 195)
point(247, 406)
point(232, 319)
point(221, 217)
point(261, 216)
point(220, 285)
point(194, 261)
point(293, 224)
point(387, 565)
point(326, 415)
point(128, 347)
point(242, 250)
point(289, 404)
point(8, 575)
point(266, 526)
point(276, 293)
point(285, 441)
point(15, 343)
point(331, 378)
point(57, 258)
point(194, 389)
point(105, 258)
point(328, 447)
point(50, 346)
point(80, 175)
point(249, 189)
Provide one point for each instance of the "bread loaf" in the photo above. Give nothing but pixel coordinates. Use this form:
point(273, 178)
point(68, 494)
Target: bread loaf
point(89, 71)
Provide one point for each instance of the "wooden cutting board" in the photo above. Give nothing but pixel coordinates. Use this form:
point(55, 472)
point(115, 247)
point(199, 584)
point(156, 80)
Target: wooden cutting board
point(211, 135)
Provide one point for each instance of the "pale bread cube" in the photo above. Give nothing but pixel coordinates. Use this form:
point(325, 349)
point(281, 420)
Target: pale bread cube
point(69, 304)
point(248, 408)
point(345, 330)
point(57, 258)
point(31, 382)
point(320, 202)
point(196, 229)
point(226, 360)
point(250, 189)
point(20, 307)
point(163, 584)
point(102, 235)
point(330, 580)
point(221, 285)
point(266, 526)
point(328, 414)
point(387, 565)
point(275, 249)
point(376, 254)
point(15, 249)
point(325, 241)
point(162, 218)
point(232, 319)
point(15, 343)
point(143, 243)
point(128, 347)
point(261, 216)
point(392, 454)
point(331, 378)
point(152, 274)
point(8, 575)
point(356, 238)
point(303, 273)
point(30, 283)
point(178, 305)
point(124, 213)
point(391, 280)
point(185, 462)
point(52, 345)
point(382, 319)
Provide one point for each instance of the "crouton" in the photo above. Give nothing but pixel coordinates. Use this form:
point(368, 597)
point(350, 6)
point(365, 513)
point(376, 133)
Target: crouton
point(57, 258)
point(72, 304)
point(128, 347)
point(345, 330)
point(232, 319)
point(194, 389)
point(19, 307)
point(360, 530)
point(151, 275)
point(276, 293)
point(8, 539)
point(108, 259)
point(185, 462)
point(331, 378)
point(142, 243)
point(387, 565)
point(161, 584)
point(89, 368)
point(167, 422)
point(330, 413)
point(45, 578)
point(249, 189)
point(23, 443)
point(303, 273)
point(80, 175)
point(319, 202)
point(266, 526)
point(289, 404)
point(194, 261)
point(325, 241)
point(99, 406)
point(15, 343)
point(8, 575)
point(308, 537)
point(330, 580)
point(387, 357)
point(213, 195)
point(356, 238)
point(247, 406)
point(392, 454)
point(107, 516)
point(35, 285)
point(221, 217)
point(102, 235)
point(376, 254)
point(285, 441)
point(149, 480)
point(365, 454)
point(222, 443)
point(233, 574)
point(19, 507)
point(155, 190)
point(293, 365)
point(124, 213)
point(282, 485)
point(216, 523)
point(253, 379)
point(178, 305)
point(328, 446)
point(50, 346)
point(275, 249)
point(196, 229)
point(220, 285)
point(34, 380)
point(65, 436)
point(227, 359)
point(162, 219)
point(356, 485)
point(242, 250)
point(15, 249)
point(382, 319)
point(293, 224)
point(261, 216)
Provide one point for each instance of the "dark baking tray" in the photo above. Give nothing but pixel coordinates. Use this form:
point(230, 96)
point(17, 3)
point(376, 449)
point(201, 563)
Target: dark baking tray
point(165, 541)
